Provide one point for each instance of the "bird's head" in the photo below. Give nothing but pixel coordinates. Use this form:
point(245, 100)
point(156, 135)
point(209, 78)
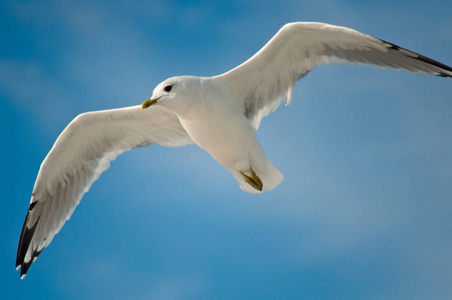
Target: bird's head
point(173, 93)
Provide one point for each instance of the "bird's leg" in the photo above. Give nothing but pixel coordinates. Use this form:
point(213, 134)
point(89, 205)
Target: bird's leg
point(253, 180)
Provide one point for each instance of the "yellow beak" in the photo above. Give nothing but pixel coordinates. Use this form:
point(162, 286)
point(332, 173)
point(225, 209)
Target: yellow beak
point(148, 103)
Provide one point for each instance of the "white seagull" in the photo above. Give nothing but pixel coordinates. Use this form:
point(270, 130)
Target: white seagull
point(219, 113)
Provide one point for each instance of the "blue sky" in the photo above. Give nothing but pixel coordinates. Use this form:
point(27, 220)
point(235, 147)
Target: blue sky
point(364, 211)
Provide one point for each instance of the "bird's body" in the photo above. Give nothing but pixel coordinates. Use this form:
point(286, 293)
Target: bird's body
point(231, 140)
point(220, 114)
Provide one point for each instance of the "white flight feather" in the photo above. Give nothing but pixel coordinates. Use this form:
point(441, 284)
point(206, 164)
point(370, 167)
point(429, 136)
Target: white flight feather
point(83, 151)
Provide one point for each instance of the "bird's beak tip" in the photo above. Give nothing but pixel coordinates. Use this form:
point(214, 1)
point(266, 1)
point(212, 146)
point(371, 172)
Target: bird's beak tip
point(148, 103)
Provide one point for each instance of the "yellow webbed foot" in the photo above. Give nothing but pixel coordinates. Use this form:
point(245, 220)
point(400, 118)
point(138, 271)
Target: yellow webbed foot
point(253, 180)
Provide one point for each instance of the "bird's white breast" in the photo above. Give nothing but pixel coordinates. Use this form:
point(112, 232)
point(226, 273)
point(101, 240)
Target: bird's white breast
point(220, 128)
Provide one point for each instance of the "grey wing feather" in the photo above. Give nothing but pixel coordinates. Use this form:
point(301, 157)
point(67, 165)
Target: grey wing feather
point(266, 80)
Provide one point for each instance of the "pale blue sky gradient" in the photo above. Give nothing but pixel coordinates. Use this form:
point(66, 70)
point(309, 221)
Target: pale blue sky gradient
point(364, 211)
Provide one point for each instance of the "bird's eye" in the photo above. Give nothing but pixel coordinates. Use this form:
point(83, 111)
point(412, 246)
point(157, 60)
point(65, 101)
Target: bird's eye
point(168, 88)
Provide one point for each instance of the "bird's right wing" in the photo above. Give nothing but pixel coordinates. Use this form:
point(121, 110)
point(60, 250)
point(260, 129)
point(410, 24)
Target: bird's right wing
point(266, 80)
point(80, 154)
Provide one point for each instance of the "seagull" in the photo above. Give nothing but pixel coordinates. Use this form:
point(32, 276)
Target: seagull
point(220, 114)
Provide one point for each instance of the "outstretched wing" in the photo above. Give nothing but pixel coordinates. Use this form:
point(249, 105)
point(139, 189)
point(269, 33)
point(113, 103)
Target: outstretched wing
point(266, 80)
point(80, 154)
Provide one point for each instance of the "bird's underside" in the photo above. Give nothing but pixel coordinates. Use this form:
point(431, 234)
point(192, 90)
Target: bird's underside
point(259, 86)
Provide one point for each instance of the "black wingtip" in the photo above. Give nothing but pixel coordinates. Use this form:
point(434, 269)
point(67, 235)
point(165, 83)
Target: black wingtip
point(424, 59)
point(24, 243)
point(26, 265)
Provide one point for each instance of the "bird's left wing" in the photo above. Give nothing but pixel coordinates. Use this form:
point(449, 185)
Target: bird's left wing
point(80, 154)
point(266, 80)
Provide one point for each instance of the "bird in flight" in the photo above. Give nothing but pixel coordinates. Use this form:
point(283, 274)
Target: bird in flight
point(220, 114)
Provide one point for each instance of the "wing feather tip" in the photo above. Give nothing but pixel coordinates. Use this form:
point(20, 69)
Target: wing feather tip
point(24, 269)
point(24, 266)
point(445, 71)
point(444, 75)
point(24, 244)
